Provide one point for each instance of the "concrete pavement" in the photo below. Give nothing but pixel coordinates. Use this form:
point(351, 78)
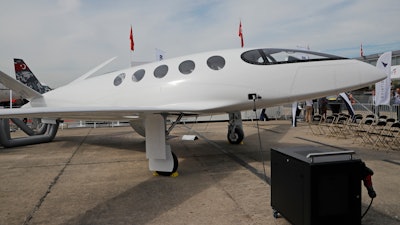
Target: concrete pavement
point(100, 176)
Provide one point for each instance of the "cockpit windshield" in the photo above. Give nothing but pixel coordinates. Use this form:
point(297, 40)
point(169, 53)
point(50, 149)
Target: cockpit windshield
point(270, 56)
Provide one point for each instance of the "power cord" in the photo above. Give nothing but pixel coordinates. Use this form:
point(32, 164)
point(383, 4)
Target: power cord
point(255, 97)
point(372, 199)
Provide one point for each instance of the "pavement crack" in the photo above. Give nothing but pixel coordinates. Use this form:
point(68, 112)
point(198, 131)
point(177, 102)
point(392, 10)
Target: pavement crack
point(29, 217)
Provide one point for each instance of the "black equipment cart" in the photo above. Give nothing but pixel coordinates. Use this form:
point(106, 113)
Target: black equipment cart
point(314, 186)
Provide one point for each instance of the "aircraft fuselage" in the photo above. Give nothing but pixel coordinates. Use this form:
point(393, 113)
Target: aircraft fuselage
point(194, 84)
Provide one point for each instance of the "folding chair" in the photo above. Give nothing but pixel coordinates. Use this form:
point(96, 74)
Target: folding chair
point(314, 124)
point(382, 118)
point(357, 118)
point(339, 127)
point(390, 121)
point(372, 116)
point(376, 133)
point(355, 122)
point(391, 138)
point(326, 125)
point(386, 132)
point(346, 125)
point(361, 131)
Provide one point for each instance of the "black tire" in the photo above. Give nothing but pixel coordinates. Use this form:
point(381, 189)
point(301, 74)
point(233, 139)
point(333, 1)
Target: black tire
point(236, 137)
point(162, 173)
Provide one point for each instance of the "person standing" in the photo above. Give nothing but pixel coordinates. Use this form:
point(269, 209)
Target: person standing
point(309, 109)
point(397, 102)
point(263, 115)
point(397, 96)
point(323, 107)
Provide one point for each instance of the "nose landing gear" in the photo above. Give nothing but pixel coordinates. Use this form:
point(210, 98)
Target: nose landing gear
point(235, 128)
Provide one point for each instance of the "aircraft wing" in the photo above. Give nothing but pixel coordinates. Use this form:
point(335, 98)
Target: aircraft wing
point(106, 112)
point(91, 113)
point(17, 87)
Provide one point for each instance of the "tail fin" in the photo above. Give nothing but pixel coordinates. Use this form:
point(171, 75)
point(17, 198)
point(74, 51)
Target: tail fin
point(25, 76)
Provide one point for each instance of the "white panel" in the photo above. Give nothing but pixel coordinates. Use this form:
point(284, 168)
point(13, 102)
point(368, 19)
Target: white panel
point(155, 137)
point(165, 165)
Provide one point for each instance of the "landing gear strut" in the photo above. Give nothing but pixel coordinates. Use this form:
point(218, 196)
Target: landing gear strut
point(235, 128)
point(161, 158)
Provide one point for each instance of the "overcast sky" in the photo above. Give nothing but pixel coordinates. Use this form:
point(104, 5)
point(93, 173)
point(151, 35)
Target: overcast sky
point(63, 39)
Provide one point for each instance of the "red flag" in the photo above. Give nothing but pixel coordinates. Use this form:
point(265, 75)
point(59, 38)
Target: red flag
point(131, 38)
point(361, 51)
point(241, 34)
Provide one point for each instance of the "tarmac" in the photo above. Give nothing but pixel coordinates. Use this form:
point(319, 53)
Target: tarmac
point(101, 176)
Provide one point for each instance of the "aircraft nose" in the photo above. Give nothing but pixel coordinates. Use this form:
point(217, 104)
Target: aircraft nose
point(335, 77)
point(369, 74)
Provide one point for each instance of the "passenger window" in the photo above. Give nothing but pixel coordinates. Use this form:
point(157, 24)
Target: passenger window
point(138, 75)
point(216, 62)
point(186, 67)
point(161, 71)
point(118, 80)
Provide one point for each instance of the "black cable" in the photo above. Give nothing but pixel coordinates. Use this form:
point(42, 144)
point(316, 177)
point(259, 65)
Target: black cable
point(259, 140)
point(367, 208)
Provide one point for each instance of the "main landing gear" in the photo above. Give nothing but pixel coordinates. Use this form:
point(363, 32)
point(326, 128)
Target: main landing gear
point(161, 159)
point(235, 128)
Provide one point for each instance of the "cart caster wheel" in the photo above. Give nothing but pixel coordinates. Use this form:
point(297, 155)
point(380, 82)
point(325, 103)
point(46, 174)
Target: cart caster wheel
point(275, 214)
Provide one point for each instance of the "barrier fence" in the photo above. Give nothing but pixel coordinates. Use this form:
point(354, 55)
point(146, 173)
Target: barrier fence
point(285, 111)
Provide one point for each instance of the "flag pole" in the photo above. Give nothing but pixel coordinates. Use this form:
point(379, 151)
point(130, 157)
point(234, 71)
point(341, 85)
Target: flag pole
point(361, 51)
point(11, 104)
point(131, 60)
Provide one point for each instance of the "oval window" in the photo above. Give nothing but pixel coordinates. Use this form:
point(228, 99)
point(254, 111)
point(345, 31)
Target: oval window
point(186, 67)
point(138, 75)
point(161, 71)
point(216, 62)
point(118, 79)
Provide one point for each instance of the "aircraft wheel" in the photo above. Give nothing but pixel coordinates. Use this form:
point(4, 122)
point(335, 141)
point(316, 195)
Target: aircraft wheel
point(236, 137)
point(162, 173)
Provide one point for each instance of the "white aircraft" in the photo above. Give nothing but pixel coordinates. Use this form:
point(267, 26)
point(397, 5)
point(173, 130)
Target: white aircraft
point(227, 81)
